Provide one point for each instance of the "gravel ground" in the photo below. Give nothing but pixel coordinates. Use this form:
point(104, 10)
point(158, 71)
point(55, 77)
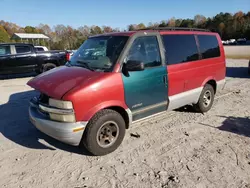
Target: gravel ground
point(177, 149)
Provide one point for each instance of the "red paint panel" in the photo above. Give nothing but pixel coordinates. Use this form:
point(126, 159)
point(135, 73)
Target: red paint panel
point(99, 92)
point(186, 76)
point(56, 82)
point(200, 72)
point(175, 79)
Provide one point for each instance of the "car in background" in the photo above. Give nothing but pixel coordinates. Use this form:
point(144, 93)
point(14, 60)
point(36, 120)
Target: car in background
point(41, 48)
point(24, 58)
point(241, 41)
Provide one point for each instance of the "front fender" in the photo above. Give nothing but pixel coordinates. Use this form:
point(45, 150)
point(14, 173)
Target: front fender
point(107, 104)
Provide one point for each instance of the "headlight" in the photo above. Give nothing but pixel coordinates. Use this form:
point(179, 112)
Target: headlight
point(60, 104)
point(59, 110)
point(62, 118)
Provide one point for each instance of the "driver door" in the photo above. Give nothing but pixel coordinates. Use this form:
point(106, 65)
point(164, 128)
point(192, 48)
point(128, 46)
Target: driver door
point(146, 92)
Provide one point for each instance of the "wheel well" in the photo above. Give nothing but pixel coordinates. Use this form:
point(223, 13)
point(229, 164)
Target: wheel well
point(123, 113)
point(213, 83)
point(51, 61)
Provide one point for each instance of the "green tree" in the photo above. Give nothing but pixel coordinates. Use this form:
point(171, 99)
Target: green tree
point(107, 29)
point(199, 21)
point(4, 37)
point(187, 23)
point(30, 29)
point(65, 37)
point(178, 22)
point(141, 26)
point(171, 22)
point(45, 29)
point(132, 27)
point(95, 30)
point(163, 24)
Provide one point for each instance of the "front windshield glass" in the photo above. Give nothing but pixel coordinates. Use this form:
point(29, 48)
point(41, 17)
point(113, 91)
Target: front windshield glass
point(99, 53)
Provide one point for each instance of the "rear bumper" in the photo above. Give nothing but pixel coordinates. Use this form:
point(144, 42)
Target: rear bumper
point(69, 133)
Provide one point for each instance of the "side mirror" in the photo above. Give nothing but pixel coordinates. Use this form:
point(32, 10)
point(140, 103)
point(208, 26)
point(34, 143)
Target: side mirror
point(133, 65)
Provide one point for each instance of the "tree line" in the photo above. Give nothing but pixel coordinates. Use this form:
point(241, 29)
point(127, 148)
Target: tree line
point(229, 26)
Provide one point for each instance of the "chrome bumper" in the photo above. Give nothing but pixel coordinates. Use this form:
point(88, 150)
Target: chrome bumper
point(70, 133)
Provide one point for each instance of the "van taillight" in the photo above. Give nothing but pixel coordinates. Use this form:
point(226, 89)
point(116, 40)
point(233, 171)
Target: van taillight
point(67, 56)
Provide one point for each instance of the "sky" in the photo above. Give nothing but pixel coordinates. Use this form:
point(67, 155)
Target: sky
point(111, 12)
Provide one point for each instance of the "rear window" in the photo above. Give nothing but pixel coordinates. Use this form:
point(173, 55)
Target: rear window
point(4, 50)
point(209, 46)
point(22, 49)
point(180, 48)
point(39, 49)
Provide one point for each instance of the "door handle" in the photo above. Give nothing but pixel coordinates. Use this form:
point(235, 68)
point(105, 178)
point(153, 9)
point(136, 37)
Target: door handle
point(165, 80)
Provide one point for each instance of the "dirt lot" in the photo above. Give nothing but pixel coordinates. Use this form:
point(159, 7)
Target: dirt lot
point(178, 149)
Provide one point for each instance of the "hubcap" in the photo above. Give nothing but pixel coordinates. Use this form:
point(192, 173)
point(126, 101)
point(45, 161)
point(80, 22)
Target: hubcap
point(207, 98)
point(107, 134)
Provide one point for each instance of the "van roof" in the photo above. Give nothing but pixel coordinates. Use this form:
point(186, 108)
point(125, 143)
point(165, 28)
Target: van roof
point(161, 30)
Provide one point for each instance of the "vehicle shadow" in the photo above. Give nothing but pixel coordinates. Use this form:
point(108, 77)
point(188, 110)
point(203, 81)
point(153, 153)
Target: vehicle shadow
point(236, 125)
point(187, 109)
point(15, 126)
point(14, 76)
point(237, 72)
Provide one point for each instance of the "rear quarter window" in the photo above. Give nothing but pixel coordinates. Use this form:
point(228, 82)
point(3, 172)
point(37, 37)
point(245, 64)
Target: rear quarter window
point(39, 49)
point(180, 48)
point(22, 49)
point(209, 46)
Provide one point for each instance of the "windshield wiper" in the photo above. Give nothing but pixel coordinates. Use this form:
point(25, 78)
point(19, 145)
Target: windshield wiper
point(85, 64)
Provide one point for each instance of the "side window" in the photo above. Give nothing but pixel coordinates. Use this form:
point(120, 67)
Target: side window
point(180, 48)
point(5, 50)
point(22, 49)
point(39, 49)
point(209, 46)
point(145, 49)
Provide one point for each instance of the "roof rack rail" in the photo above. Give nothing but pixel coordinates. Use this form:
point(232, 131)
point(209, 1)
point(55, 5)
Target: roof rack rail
point(175, 29)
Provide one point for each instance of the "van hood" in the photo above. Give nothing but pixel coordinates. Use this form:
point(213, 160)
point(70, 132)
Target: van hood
point(56, 82)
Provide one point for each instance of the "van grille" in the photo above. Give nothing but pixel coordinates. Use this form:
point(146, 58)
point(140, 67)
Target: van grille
point(43, 98)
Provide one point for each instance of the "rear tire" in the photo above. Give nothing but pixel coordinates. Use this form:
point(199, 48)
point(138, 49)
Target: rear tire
point(206, 99)
point(48, 66)
point(104, 132)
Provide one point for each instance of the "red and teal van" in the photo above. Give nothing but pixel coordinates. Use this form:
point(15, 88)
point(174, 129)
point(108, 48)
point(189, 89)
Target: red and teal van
point(116, 79)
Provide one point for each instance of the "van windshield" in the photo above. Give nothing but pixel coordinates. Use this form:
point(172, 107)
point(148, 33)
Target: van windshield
point(99, 53)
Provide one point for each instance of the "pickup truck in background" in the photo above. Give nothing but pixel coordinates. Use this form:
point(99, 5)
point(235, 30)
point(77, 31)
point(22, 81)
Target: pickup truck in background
point(41, 48)
point(24, 58)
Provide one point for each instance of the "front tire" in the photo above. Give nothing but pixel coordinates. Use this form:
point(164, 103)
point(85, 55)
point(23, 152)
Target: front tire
point(104, 133)
point(206, 99)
